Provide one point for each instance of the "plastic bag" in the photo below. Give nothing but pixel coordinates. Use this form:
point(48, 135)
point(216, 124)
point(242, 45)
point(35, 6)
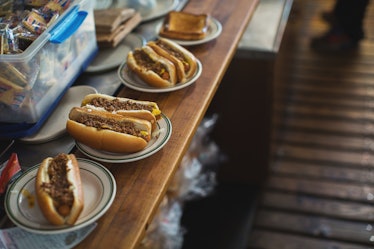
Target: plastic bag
point(196, 177)
point(165, 231)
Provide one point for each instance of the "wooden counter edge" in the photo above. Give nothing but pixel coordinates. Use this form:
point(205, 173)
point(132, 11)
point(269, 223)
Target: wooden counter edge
point(229, 39)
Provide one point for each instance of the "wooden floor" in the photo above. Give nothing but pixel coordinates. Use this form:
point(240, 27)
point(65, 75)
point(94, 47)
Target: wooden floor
point(320, 191)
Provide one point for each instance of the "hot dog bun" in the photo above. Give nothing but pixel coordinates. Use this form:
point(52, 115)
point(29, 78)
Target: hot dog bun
point(124, 106)
point(184, 61)
point(152, 68)
point(108, 131)
point(55, 176)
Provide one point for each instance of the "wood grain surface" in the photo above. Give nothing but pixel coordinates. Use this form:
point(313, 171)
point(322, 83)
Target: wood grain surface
point(141, 185)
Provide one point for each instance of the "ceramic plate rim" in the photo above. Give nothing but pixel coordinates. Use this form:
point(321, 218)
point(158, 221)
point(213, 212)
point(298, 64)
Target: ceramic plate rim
point(104, 4)
point(97, 155)
point(170, 4)
point(132, 81)
point(102, 68)
point(214, 23)
point(29, 175)
point(161, 13)
point(36, 138)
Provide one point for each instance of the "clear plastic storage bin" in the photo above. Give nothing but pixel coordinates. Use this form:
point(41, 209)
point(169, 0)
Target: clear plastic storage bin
point(33, 82)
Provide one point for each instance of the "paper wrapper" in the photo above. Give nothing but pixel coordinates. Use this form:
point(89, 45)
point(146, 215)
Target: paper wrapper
point(11, 94)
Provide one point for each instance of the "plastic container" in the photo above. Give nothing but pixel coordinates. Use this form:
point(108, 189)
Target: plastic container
point(45, 70)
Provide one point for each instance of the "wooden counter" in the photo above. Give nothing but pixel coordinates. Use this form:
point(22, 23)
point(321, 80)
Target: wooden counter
point(141, 185)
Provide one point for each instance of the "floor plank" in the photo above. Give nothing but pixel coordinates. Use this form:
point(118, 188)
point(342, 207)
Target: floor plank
point(316, 226)
point(316, 205)
point(275, 240)
point(320, 188)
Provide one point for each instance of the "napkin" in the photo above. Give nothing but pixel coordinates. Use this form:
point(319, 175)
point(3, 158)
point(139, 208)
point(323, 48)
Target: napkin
point(10, 170)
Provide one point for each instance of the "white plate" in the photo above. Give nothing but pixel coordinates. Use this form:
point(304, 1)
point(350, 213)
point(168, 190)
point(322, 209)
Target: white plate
point(159, 138)
point(161, 8)
point(102, 4)
point(131, 80)
point(99, 189)
point(109, 58)
point(214, 30)
point(56, 123)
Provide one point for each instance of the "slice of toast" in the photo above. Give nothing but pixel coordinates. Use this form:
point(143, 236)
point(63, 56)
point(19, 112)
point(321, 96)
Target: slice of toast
point(184, 26)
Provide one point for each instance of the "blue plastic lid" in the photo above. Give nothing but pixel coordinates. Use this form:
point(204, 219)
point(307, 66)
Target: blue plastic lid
point(68, 25)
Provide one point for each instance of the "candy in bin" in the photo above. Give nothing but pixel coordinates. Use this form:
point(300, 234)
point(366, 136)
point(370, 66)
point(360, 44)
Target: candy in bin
point(24, 40)
point(6, 7)
point(63, 3)
point(25, 25)
point(51, 11)
point(36, 3)
point(14, 19)
point(16, 83)
point(14, 75)
point(18, 5)
point(13, 97)
point(35, 22)
point(7, 44)
point(11, 29)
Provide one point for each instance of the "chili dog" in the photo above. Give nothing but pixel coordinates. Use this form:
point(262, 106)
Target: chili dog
point(127, 107)
point(59, 190)
point(108, 131)
point(183, 60)
point(152, 68)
